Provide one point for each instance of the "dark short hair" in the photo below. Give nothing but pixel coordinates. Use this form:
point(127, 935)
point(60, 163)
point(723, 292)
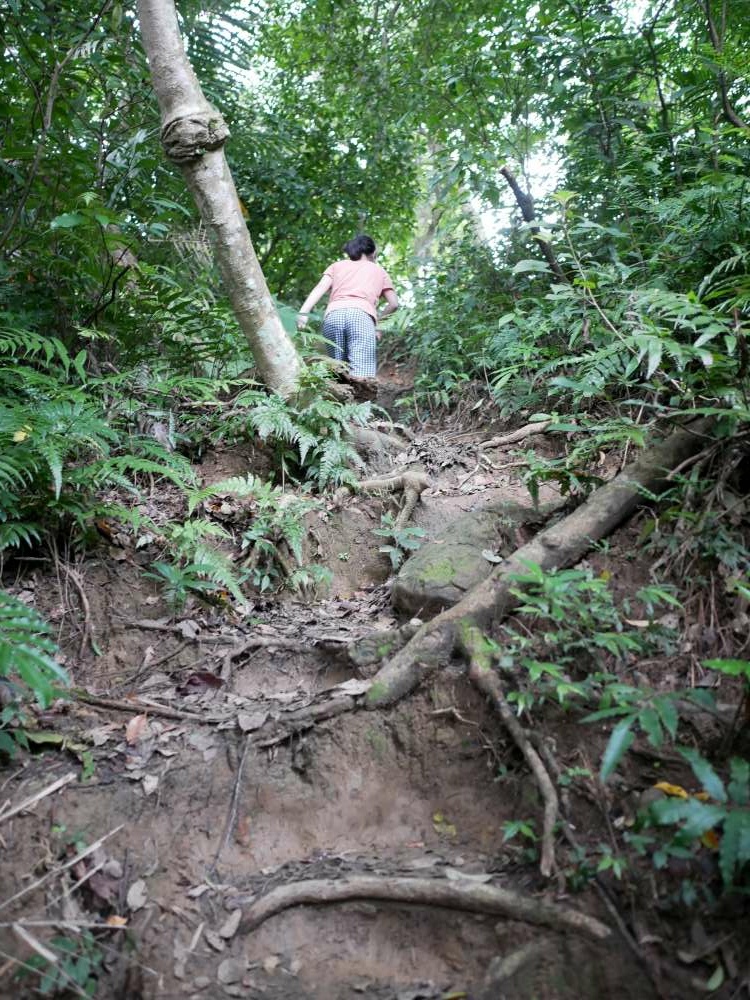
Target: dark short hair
point(358, 246)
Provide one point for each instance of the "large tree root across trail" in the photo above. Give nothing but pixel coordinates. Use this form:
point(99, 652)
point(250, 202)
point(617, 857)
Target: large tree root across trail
point(458, 895)
point(560, 545)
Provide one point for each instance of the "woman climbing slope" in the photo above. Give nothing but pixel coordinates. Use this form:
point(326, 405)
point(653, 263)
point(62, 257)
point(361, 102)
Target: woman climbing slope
point(356, 286)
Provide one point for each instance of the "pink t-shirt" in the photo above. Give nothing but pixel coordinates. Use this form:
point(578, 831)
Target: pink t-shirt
point(357, 284)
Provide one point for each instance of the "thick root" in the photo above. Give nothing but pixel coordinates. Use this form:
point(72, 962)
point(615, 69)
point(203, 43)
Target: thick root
point(458, 895)
point(518, 435)
point(412, 482)
point(560, 545)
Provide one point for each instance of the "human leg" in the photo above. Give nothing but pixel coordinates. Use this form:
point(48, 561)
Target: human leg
point(361, 349)
point(334, 330)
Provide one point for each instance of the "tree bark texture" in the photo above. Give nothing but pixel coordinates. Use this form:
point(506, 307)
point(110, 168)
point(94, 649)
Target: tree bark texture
point(560, 545)
point(456, 895)
point(193, 134)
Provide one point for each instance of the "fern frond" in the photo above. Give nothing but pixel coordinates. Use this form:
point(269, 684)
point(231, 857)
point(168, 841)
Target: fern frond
point(14, 534)
point(239, 486)
point(20, 343)
point(335, 458)
point(109, 469)
point(272, 419)
point(26, 649)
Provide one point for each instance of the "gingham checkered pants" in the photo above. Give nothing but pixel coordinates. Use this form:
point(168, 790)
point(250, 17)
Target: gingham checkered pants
point(351, 337)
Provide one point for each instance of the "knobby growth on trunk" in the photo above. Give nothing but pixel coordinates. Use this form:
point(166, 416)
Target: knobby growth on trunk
point(193, 134)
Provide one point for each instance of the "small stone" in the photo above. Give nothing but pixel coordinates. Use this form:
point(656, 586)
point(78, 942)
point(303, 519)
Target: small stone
point(230, 971)
point(214, 940)
point(112, 869)
point(271, 964)
point(230, 925)
point(201, 983)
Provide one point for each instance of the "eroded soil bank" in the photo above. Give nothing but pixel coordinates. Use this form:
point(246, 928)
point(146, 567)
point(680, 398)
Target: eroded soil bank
point(211, 756)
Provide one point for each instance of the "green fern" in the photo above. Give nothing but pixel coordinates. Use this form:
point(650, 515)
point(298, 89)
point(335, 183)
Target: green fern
point(191, 543)
point(335, 458)
point(239, 486)
point(26, 656)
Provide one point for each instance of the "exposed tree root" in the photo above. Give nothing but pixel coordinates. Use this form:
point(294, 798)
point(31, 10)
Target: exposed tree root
point(560, 545)
point(486, 679)
point(518, 435)
point(412, 482)
point(375, 444)
point(258, 642)
point(458, 895)
point(87, 638)
point(290, 723)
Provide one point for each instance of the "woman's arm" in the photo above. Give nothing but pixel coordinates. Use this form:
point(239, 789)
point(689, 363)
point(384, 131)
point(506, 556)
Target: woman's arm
point(312, 300)
point(391, 304)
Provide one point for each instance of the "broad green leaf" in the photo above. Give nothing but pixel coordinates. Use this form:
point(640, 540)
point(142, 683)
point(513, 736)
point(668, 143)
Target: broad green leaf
point(734, 668)
point(734, 848)
point(68, 220)
point(530, 267)
point(650, 722)
point(705, 773)
point(667, 713)
point(619, 742)
point(739, 785)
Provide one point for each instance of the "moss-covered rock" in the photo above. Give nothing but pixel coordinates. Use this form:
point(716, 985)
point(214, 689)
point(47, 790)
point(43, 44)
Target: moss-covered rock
point(444, 569)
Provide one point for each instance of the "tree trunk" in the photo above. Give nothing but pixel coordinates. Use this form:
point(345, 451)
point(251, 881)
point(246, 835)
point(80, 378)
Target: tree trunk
point(526, 204)
point(193, 134)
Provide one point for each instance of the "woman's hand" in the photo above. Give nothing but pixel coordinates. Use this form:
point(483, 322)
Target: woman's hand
point(301, 321)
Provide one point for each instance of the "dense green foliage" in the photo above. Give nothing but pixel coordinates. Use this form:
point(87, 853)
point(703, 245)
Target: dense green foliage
point(560, 191)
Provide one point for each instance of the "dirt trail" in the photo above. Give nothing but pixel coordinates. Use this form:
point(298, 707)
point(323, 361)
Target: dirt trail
point(247, 797)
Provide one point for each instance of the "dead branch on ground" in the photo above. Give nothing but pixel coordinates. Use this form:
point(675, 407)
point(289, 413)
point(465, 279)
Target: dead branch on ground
point(38, 796)
point(455, 895)
point(141, 708)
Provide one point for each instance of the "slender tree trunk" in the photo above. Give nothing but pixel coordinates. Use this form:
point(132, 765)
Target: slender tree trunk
point(193, 134)
point(526, 204)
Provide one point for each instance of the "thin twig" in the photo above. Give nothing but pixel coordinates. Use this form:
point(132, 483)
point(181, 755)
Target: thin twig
point(233, 805)
point(142, 708)
point(38, 796)
point(58, 871)
point(88, 628)
point(101, 925)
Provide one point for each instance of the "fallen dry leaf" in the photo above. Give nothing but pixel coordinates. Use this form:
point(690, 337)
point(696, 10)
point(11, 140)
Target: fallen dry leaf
point(137, 895)
point(230, 971)
point(201, 680)
point(115, 921)
point(150, 783)
point(135, 729)
point(249, 721)
point(229, 928)
point(103, 887)
point(215, 941)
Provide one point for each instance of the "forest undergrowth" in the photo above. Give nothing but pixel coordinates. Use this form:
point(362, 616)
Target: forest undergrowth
point(242, 751)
